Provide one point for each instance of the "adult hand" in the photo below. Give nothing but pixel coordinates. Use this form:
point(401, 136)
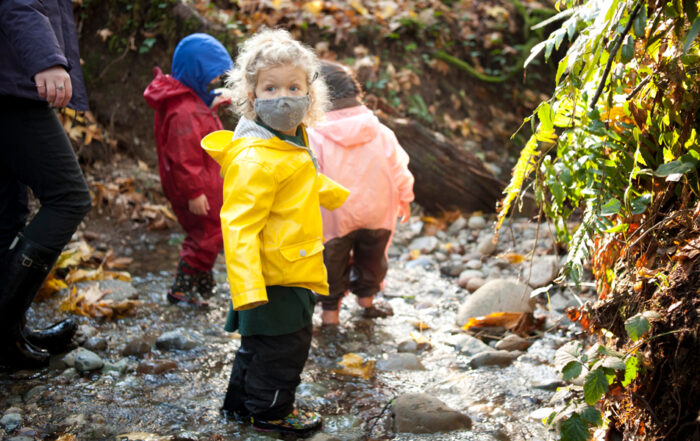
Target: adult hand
point(405, 212)
point(199, 205)
point(54, 85)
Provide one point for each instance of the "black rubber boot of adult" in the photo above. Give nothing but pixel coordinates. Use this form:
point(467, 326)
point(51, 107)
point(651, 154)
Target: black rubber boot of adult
point(26, 266)
point(56, 339)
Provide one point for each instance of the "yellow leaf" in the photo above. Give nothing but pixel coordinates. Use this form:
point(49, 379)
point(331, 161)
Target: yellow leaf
point(66, 437)
point(414, 254)
point(118, 275)
point(50, 286)
point(421, 340)
point(506, 319)
point(314, 7)
point(513, 258)
point(356, 366)
point(421, 325)
point(359, 7)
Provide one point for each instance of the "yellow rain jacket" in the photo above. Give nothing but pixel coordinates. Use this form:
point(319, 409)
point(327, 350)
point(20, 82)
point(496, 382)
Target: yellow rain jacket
point(271, 215)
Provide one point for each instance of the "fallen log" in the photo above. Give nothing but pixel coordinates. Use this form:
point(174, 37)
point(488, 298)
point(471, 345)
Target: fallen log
point(447, 176)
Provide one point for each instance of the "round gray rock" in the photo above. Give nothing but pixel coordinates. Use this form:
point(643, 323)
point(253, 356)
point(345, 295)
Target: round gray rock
point(493, 358)
point(400, 361)
point(422, 413)
point(497, 295)
point(86, 361)
point(544, 270)
point(513, 342)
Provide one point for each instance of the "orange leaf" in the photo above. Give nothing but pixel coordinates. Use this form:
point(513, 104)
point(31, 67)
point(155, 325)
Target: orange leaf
point(506, 319)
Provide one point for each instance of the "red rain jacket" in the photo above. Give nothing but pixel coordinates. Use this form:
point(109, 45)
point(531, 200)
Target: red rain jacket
point(186, 170)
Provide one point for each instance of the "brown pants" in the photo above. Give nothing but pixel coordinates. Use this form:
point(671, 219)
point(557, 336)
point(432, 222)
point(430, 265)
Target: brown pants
point(355, 262)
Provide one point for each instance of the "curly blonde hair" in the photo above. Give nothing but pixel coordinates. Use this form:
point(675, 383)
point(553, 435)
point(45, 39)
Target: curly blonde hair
point(271, 48)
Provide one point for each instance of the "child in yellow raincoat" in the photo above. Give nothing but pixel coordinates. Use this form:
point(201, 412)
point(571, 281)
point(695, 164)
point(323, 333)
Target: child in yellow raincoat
point(272, 228)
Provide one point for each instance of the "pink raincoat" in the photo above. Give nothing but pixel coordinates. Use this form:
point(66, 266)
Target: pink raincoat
point(357, 151)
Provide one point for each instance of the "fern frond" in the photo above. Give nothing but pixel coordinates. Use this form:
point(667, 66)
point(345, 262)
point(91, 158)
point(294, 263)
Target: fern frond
point(525, 165)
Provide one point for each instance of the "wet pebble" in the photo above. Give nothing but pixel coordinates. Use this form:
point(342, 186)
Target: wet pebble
point(456, 226)
point(84, 332)
point(11, 421)
point(95, 343)
point(425, 244)
point(408, 346)
point(180, 338)
point(420, 262)
point(400, 361)
point(486, 245)
point(548, 384)
point(156, 367)
point(465, 275)
point(493, 358)
point(86, 361)
point(118, 290)
point(513, 342)
point(118, 368)
point(475, 283)
point(423, 413)
point(324, 437)
point(75, 420)
point(34, 393)
point(496, 296)
point(136, 345)
point(544, 270)
point(477, 222)
point(468, 345)
point(452, 269)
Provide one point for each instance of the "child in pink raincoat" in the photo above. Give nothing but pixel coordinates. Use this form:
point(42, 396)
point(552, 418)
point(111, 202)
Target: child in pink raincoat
point(356, 150)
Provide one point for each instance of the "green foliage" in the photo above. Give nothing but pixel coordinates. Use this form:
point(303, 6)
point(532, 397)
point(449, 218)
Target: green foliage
point(636, 326)
point(600, 368)
point(621, 124)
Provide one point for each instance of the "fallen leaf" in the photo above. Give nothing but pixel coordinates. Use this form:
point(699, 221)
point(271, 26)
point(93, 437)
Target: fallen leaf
point(105, 34)
point(355, 365)
point(421, 325)
point(513, 258)
point(508, 320)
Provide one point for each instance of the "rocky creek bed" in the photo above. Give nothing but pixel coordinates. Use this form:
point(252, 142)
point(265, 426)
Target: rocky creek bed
point(161, 373)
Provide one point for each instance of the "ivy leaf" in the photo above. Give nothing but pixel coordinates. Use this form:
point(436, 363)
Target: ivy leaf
point(572, 370)
point(611, 207)
point(592, 416)
point(594, 386)
point(636, 326)
point(574, 429)
point(631, 370)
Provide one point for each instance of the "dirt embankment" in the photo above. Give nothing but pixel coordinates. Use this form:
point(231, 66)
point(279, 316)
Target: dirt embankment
point(121, 44)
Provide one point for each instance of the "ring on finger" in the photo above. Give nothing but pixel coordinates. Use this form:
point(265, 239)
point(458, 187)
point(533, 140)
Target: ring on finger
point(60, 87)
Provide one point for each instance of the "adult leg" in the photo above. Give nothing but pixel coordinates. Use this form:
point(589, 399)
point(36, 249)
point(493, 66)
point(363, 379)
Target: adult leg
point(38, 152)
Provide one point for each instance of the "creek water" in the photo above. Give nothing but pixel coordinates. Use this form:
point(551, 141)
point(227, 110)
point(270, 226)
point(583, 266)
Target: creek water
point(183, 403)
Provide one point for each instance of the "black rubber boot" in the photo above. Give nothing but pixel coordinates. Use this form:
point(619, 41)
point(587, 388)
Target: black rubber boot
point(184, 289)
point(26, 266)
point(56, 339)
point(205, 284)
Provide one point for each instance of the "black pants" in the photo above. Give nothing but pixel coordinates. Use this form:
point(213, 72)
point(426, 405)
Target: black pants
point(266, 373)
point(36, 153)
point(364, 273)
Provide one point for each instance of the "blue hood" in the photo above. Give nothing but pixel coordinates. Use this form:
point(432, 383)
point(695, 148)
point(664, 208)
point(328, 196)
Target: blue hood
point(198, 59)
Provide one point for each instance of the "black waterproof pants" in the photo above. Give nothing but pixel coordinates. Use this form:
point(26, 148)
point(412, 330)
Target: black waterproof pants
point(36, 153)
point(266, 373)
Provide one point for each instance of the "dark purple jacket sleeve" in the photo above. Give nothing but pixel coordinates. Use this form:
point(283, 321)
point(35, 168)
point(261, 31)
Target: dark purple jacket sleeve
point(35, 35)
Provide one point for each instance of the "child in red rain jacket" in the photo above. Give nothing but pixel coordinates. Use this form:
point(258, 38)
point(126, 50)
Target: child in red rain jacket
point(185, 113)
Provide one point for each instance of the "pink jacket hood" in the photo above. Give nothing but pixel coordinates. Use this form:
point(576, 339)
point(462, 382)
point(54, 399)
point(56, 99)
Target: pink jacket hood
point(356, 150)
point(349, 127)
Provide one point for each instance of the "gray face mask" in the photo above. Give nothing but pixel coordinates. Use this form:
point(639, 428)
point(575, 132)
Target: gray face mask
point(284, 113)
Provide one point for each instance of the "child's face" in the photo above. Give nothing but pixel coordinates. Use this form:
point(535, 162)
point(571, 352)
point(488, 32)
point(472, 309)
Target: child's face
point(281, 81)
